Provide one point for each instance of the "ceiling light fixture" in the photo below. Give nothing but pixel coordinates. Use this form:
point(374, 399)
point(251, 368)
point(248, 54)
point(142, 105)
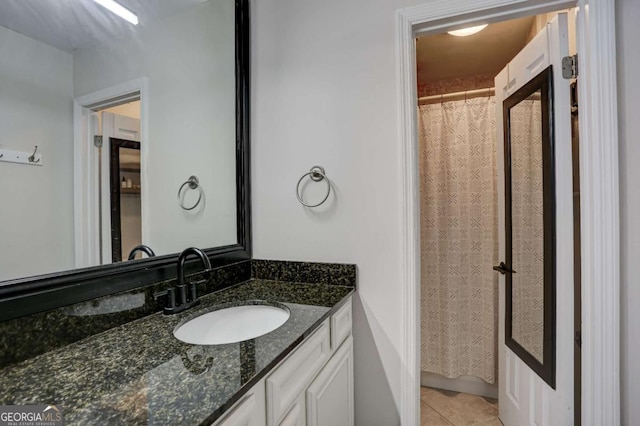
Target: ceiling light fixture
point(119, 10)
point(468, 31)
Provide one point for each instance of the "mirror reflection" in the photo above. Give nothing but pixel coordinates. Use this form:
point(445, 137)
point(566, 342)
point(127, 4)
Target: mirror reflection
point(527, 224)
point(122, 115)
point(125, 191)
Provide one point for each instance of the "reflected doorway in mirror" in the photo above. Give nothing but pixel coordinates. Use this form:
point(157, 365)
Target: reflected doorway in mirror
point(110, 175)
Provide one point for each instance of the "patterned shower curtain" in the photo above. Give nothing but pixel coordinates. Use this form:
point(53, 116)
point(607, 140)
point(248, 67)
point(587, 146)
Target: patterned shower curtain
point(459, 241)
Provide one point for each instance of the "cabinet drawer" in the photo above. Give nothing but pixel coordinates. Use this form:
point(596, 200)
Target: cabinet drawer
point(291, 378)
point(340, 325)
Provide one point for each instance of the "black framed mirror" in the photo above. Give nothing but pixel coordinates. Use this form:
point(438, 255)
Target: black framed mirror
point(25, 295)
point(530, 319)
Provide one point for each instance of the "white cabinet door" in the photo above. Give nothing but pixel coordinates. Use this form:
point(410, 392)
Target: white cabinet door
point(249, 411)
point(330, 395)
point(296, 415)
point(292, 377)
point(524, 398)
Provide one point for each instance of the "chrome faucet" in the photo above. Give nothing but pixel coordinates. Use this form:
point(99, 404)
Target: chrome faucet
point(142, 248)
point(182, 301)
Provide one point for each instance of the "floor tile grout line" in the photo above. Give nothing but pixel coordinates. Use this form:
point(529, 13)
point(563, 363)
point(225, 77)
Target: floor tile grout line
point(490, 404)
point(437, 412)
point(479, 422)
point(440, 414)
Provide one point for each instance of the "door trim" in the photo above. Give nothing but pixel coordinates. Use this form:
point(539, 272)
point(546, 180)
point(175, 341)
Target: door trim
point(86, 206)
point(599, 209)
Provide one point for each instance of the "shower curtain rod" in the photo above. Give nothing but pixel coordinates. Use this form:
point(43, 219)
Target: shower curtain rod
point(469, 93)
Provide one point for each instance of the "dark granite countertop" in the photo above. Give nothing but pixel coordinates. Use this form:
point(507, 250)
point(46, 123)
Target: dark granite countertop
point(139, 373)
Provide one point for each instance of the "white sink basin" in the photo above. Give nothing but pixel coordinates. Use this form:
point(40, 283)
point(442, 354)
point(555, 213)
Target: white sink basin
point(230, 325)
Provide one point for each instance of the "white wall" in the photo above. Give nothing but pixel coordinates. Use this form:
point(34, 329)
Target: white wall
point(628, 34)
point(36, 203)
point(324, 92)
point(189, 61)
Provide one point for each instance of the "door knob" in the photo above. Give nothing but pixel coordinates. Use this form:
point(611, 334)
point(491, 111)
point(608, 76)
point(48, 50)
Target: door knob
point(503, 269)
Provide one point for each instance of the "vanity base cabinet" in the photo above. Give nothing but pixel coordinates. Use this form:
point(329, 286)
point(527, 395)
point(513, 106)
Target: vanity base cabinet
point(296, 416)
point(329, 398)
point(290, 379)
point(249, 411)
point(312, 386)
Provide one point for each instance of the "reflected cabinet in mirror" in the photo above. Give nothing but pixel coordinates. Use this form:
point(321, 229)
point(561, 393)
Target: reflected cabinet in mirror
point(142, 138)
point(83, 84)
point(530, 225)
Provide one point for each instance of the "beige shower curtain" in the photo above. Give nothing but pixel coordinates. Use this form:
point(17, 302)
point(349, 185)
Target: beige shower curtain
point(459, 243)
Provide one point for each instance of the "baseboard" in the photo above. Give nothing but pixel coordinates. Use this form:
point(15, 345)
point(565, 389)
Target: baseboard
point(466, 384)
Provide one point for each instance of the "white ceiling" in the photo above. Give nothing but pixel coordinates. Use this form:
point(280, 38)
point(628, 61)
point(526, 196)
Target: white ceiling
point(76, 24)
point(443, 56)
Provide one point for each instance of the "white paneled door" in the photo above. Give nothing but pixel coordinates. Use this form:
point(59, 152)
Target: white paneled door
point(525, 398)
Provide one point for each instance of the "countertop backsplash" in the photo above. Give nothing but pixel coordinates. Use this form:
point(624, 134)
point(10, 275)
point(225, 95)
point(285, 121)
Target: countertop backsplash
point(304, 272)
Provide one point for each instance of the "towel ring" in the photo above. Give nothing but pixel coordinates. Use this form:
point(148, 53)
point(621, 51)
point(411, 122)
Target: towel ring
point(316, 174)
point(191, 183)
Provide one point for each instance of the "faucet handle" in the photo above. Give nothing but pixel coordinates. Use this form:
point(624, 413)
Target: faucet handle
point(193, 288)
point(182, 294)
point(171, 297)
point(193, 294)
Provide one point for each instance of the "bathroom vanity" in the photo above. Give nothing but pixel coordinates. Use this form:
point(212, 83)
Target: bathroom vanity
point(312, 386)
point(140, 373)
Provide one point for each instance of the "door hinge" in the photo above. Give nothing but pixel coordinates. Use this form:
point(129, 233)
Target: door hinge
point(578, 338)
point(97, 141)
point(570, 66)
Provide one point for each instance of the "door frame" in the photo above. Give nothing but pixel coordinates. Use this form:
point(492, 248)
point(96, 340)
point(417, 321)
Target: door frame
point(86, 166)
point(599, 204)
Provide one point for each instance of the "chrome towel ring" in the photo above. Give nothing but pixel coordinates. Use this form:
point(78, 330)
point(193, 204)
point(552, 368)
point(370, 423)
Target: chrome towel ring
point(316, 174)
point(191, 183)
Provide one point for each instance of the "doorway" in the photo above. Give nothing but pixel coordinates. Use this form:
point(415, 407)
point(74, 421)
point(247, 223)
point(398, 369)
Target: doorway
point(120, 184)
point(459, 116)
point(109, 146)
point(595, 47)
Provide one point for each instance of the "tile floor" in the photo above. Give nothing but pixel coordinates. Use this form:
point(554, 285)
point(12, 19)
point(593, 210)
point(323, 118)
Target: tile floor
point(446, 408)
